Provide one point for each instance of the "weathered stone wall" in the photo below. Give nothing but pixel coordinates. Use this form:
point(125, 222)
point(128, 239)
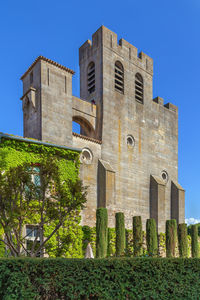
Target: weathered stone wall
point(117, 170)
point(153, 126)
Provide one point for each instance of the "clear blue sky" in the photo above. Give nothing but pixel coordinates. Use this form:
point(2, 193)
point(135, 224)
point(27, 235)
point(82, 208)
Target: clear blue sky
point(168, 31)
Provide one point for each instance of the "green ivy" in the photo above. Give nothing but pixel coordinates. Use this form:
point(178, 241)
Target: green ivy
point(14, 153)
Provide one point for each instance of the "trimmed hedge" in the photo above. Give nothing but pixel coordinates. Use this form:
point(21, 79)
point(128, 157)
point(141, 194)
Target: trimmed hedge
point(120, 233)
point(171, 237)
point(118, 278)
point(182, 240)
point(137, 236)
point(151, 237)
point(195, 244)
point(101, 232)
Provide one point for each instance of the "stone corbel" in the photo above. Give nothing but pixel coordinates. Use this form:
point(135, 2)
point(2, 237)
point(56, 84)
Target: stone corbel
point(29, 97)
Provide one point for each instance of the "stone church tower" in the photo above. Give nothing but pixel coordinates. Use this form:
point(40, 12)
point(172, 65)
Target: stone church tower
point(129, 141)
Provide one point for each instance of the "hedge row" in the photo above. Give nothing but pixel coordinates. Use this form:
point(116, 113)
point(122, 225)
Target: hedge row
point(118, 278)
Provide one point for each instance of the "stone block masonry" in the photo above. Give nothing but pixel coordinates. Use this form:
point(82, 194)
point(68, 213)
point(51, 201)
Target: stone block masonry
point(129, 141)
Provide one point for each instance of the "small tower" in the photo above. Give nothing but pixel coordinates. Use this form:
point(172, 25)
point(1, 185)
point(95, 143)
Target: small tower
point(47, 101)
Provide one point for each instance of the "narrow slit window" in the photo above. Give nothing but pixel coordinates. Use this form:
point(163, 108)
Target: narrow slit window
point(139, 88)
point(119, 77)
point(48, 76)
point(91, 78)
point(65, 85)
point(31, 77)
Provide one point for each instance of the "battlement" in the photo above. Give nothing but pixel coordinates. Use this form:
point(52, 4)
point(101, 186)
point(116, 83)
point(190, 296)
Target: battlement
point(105, 38)
point(168, 106)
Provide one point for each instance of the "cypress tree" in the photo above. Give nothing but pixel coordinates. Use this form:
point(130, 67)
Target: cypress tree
point(101, 232)
point(182, 240)
point(151, 237)
point(120, 233)
point(171, 237)
point(194, 236)
point(137, 236)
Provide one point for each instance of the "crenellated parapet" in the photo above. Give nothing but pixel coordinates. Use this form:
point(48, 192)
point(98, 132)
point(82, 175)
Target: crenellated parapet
point(169, 106)
point(106, 38)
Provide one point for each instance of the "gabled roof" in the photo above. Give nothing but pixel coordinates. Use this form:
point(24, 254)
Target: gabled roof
point(49, 61)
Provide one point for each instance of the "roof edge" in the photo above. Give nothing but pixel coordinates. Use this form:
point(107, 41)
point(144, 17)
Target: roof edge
point(49, 61)
point(27, 140)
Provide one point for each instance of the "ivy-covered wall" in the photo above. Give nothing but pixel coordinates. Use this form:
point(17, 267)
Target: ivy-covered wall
point(14, 152)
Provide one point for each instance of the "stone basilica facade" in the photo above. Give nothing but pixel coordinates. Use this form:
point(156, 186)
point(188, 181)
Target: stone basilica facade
point(129, 141)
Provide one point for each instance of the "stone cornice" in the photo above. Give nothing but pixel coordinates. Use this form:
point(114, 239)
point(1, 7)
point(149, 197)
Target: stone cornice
point(87, 138)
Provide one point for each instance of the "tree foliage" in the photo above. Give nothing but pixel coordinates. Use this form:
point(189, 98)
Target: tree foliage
point(101, 232)
point(182, 240)
point(151, 237)
point(137, 236)
point(46, 204)
point(194, 244)
point(120, 233)
point(171, 237)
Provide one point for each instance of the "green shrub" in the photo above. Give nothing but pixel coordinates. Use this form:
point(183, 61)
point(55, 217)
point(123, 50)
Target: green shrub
point(116, 278)
point(171, 237)
point(111, 242)
point(137, 236)
point(189, 228)
point(182, 240)
point(194, 244)
point(120, 233)
point(129, 242)
point(151, 237)
point(101, 232)
point(89, 236)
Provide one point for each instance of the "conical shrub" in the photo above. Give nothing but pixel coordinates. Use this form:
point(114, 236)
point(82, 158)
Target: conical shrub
point(101, 232)
point(137, 236)
point(151, 237)
point(120, 233)
point(195, 244)
point(171, 237)
point(182, 240)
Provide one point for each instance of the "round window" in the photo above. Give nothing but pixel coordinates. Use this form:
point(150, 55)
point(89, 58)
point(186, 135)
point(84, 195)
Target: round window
point(86, 156)
point(130, 141)
point(164, 176)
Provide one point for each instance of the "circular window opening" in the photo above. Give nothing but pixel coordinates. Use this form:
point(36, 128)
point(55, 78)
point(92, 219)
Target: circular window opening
point(164, 176)
point(130, 141)
point(86, 156)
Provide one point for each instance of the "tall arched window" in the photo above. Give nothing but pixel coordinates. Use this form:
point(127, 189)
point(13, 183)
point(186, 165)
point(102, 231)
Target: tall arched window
point(119, 77)
point(91, 77)
point(139, 90)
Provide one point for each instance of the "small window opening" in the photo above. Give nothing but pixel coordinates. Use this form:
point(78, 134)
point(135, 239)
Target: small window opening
point(31, 77)
point(139, 88)
point(65, 84)
point(119, 77)
point(32, 233)
point(91, 77)
point(48, 76)
point(165, 176)
point(86, 156)
point(130, 141)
